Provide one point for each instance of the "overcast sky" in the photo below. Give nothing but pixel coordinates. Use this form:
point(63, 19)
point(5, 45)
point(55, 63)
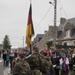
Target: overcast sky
point(14, 15)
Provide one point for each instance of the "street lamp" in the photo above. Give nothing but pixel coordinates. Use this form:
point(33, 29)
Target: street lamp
point(51, 3)
point(23, 41)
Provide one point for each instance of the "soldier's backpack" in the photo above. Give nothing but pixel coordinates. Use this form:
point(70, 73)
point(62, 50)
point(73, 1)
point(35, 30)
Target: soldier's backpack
point(21, 68)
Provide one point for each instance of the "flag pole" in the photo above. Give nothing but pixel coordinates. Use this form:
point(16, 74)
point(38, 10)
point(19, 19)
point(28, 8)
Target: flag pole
point(30, 48)
point(30, 29)
point(30, 37)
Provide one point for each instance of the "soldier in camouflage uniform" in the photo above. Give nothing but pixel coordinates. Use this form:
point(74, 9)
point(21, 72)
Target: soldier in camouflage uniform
point(47, 64)
point(34, 62)
point(39, 64)
point(21, 66)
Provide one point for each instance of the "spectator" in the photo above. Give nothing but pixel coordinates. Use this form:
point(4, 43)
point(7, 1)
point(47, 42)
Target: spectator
point(4, 58)
point(7, 59)
point(63, 51)
point(56, 51)
point(64, 63)
point(55, 62)
point(11, 59)
point(70, 51)
point(15, 53)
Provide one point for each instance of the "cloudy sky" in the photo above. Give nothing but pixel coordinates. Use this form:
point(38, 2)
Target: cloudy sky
point(14, 15)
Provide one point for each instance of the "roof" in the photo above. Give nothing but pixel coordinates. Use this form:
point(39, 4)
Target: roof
point(67, 25)
point(72, 21)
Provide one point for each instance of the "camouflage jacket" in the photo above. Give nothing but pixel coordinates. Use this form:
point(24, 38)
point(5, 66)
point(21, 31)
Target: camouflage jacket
point(33, 61)
point(21, 68)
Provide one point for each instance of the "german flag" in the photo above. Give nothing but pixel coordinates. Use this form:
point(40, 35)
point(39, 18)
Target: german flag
point(30, 29)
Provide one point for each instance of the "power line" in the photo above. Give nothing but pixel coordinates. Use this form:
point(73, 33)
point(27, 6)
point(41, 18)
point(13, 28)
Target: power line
point(43, 17)
point(63, 9)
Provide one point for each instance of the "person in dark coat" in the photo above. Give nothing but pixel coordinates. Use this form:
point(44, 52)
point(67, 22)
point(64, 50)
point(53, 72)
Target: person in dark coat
point(54, 49)
point(11, 60)
point(4, 58)
point(7, 59)
point(64, 51)
point(55, 62)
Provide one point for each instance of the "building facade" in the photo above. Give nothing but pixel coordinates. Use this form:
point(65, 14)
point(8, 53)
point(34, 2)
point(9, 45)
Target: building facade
point(37, 39)
point(65, 34)
point(1, 46)
point(48, 35)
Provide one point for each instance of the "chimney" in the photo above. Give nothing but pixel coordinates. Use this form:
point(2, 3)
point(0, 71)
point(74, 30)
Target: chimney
point(62, 20)
point(45, 31)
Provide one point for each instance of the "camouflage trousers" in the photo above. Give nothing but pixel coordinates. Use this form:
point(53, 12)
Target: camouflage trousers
point(73, 73)
point(48, 73)
point(36, 72)
point(20, 74)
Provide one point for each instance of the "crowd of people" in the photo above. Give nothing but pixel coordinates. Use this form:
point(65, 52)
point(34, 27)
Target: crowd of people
point(45, 62)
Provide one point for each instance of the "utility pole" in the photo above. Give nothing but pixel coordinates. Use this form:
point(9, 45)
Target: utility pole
point(55, 20)
point(23, 41)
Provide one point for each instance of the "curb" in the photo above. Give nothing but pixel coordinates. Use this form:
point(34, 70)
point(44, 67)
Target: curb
point(6, 71)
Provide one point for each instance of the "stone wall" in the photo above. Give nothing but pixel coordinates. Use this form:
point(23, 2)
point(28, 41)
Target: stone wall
point(46, 38)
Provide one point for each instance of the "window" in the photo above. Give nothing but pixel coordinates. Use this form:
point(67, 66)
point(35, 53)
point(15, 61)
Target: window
point(72, 31)
point(68, 43)
point(68, 33)
point(39, 39)
point(59, 33)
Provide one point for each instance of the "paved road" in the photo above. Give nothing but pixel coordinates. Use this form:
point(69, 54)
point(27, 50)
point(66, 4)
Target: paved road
point(2, 68)
point(6, 71)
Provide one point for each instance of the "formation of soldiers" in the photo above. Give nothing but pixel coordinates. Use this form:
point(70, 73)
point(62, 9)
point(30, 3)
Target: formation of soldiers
point(34, 64)
point(46, 62)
